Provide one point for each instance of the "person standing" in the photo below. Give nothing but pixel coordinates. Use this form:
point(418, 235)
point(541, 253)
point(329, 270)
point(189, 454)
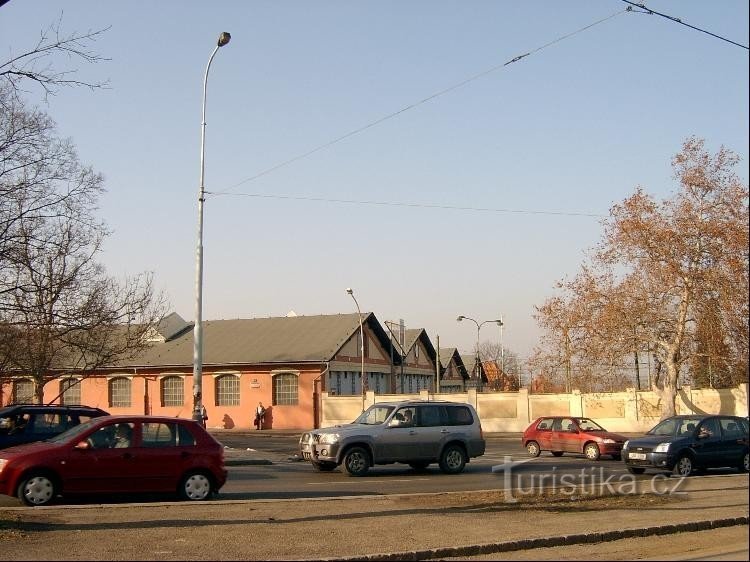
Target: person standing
point(260, 411)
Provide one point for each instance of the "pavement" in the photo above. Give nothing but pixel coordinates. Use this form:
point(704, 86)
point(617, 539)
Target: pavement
point(380, 527)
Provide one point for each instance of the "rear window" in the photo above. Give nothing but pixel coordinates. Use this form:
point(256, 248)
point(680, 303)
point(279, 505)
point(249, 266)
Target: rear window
point(459, 415)
point(166, 435)
point(545, 424)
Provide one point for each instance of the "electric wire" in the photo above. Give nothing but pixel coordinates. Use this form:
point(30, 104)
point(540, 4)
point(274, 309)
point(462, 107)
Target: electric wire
point(229, 190)
point(649, 11)
point(416, 205)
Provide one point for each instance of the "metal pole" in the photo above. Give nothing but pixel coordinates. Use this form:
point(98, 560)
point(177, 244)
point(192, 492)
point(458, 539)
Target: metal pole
point(479, 326)
point(362, 375)
point(198, 327)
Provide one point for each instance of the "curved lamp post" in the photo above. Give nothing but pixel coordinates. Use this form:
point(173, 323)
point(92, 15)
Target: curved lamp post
point(362, 375)
point(198, 328)
point(479, 327)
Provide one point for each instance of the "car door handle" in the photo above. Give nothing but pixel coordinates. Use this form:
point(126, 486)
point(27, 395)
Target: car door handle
point(184, 454)
point(444, 431)
point(127, 455)
point(412, 432)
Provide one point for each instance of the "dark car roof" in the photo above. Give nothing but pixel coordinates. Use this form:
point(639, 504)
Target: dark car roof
point(51, 407)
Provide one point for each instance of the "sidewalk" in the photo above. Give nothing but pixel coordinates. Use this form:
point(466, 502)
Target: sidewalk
point(395, 527)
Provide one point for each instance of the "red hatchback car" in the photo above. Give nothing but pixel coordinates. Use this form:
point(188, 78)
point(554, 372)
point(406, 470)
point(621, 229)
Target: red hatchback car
point(115, 455)
point(560, 435)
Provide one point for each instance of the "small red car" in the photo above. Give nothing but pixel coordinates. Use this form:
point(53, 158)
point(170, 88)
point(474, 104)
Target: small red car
point(116, 455)
point(560, 435)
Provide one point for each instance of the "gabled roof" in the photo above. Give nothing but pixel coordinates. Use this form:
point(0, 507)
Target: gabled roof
point(296, 339)
point(452, 354)
point(173, 325)
point(411, 337)
point(470, 362)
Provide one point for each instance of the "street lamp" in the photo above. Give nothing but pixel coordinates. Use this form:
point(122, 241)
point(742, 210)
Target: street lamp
point(479, 327)
point(362, 375)
point(198, 328)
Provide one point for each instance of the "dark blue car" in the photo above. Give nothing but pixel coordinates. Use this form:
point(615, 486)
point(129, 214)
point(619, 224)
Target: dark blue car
point(686, 444)
point(27, 423)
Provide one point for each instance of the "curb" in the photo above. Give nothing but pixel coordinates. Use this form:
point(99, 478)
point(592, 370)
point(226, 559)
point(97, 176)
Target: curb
point(246, 462)
point(547, 542)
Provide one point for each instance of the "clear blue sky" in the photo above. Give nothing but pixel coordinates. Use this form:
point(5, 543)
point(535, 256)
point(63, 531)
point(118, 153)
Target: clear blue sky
point(572, 128)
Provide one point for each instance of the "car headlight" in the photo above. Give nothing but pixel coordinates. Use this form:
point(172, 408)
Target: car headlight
point(662, 448)
point(3, 462)
point(610, 441)
point(625, 445)
point(329, 438)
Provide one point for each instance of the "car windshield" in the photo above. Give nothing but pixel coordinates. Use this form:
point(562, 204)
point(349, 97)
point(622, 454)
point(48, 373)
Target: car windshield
point(674, 427)
point(589, 425)
point(72, 432)
point(374, 415)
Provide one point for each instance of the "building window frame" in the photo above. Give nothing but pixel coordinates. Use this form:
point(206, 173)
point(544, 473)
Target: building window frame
point(227, 389)
point(70, 390)
point(120, 392)
point(172, 391)
point(285, 388)
point(25, 389)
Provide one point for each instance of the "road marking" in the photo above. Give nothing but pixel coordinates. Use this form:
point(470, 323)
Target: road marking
point(368, 480)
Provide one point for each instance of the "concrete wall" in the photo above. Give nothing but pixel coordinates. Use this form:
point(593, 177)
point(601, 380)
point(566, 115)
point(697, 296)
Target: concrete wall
point(630, 411)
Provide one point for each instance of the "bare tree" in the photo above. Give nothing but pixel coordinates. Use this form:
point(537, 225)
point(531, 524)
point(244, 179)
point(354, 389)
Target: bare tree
point(59, 310)
point(659, 264)
point(45, 64)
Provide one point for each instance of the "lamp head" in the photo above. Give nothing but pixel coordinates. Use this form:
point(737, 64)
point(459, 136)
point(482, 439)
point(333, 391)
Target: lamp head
point(224, 38)
point(349, 291)
point(460, 318)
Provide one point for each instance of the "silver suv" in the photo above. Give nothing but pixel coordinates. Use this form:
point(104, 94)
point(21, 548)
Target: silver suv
point(415, 432)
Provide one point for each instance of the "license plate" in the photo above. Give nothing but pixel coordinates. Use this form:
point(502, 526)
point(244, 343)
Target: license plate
point(637, 456)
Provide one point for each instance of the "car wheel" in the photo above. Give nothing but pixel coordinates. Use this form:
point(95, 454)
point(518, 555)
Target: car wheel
point(532, 447)
point(419, 465)
point(557, 453)
point(323, 466)
point(636, 470)
point(591, 451)
point(745, 464)
point(356, 461)
point(37, 489)
point(453, 459)
point(195, 486)
point(684, 466)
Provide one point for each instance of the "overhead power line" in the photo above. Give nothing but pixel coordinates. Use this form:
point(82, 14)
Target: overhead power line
point(414, 205)
point(413, 105)
point(649, 11)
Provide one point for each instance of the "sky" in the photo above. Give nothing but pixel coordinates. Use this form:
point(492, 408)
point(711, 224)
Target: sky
point(385, 145)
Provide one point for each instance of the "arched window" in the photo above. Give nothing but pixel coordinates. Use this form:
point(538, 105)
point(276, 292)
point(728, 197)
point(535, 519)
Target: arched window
point(172, 391)
point(228, 390)
point(23, 391)
point(285, 389)
point(120, 392)
point(70, 390)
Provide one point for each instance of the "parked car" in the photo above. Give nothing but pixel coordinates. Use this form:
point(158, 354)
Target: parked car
point(26, 423)
point(417, 433)
point(115, 455)
point(565, 434)
point(686, 444)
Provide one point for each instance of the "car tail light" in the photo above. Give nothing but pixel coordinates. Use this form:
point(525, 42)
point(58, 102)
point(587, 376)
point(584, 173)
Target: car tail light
point(481, 433)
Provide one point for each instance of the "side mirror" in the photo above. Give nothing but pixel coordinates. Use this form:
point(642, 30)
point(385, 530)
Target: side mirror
point(82, 445)
point(703, 434)
point(395, 423)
